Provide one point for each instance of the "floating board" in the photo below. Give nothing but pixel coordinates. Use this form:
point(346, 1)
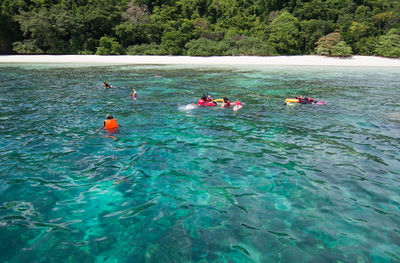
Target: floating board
point(292, 101)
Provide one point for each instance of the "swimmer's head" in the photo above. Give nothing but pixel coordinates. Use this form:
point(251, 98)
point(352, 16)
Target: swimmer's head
point(109, 117)
point(226, 99)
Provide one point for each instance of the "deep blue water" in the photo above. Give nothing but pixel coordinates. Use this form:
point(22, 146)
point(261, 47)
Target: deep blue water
point(270, 183)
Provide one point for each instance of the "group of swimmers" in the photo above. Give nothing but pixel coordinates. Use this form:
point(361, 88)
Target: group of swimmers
point(208, 101)
point(305, 100)
point(205, 101)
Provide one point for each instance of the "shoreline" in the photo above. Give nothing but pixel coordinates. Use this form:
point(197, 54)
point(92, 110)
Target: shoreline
point(307, 60)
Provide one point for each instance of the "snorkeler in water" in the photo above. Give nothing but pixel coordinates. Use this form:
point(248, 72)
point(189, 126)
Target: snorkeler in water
point(226, 103)
point(134, 94)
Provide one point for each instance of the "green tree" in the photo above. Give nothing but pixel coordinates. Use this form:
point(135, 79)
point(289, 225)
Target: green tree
point(363, 13)
point(359, 29)
point(145, 49)
point(109, 46)
point(314, 9)
point(27, 46)
point(341, 49)
point(332, 45)
point(284, 35)
point(312, 30)
point(173, 42)
point(366, 45)
point(207, 47)
point(253, 46)
point(130, 34)
point(389, 44)
point(49, 29)
point(386, 20)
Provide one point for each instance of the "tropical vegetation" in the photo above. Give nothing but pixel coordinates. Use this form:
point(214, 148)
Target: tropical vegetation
point(201, 27)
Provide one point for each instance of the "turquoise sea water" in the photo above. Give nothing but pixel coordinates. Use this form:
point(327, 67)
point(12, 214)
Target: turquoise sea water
point(270, 183)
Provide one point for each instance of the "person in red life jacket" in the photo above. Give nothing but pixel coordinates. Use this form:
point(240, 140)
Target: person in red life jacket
point(210, 104)
point(209, 101)
point(202, 100)
point(206, 101)
point(306, 100)
point(227, 103)
point(110, 123)
point(237, 105)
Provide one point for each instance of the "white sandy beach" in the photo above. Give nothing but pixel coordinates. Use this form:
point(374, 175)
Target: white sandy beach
point(355, 61)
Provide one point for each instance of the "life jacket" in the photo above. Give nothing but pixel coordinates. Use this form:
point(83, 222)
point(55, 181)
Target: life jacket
point(304, 100)
point(210, 104)
point(200, 102)
point(237, 103)
point(228, 104)
point(110, 124)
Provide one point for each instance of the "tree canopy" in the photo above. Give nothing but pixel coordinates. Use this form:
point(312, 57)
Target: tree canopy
point(200, 27)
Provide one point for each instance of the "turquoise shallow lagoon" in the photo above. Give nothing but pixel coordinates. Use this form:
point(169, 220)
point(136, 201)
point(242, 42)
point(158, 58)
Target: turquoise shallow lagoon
point(270, 183)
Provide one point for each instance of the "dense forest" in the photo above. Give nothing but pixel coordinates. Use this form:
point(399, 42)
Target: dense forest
point(201, 27)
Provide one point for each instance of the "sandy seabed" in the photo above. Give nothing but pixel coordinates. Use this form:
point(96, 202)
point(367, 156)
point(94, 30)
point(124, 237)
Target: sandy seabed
point(355, 61)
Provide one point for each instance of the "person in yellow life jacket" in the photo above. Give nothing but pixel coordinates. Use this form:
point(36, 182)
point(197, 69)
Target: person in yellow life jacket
point(110, 123)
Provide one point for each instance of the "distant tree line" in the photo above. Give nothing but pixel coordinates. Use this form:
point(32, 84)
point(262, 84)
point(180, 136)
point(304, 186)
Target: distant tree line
point(201, 27)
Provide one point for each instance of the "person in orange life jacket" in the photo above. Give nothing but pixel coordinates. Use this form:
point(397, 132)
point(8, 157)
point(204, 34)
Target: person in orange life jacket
point(110, 123)
point(227, 103)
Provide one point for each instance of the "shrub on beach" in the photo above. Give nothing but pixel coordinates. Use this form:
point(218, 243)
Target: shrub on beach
point(26, 47)
point(230, 46)
point(206, 47)
point(109, 46)
point(389, 44)
point(252, 46)
point(145, 49)
point(332, 45)
point(341, 49)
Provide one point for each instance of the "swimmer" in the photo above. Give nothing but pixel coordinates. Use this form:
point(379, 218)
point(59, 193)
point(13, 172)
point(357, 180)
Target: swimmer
point(209, 98)
point(110, 123)
point(306, 100)
point(106, 85)
point(202, 100)
point(226, 103)
point(302, 100)
point(134, 94)
point(237, 105)
point(157, 76)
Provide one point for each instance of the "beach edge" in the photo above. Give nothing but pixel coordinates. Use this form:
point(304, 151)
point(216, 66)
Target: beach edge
point(307, 60)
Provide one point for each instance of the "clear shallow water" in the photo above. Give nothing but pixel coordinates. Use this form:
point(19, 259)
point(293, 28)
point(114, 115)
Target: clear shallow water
point(269, 183)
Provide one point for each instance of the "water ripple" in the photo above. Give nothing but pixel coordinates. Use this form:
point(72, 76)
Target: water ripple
point(176, 183)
